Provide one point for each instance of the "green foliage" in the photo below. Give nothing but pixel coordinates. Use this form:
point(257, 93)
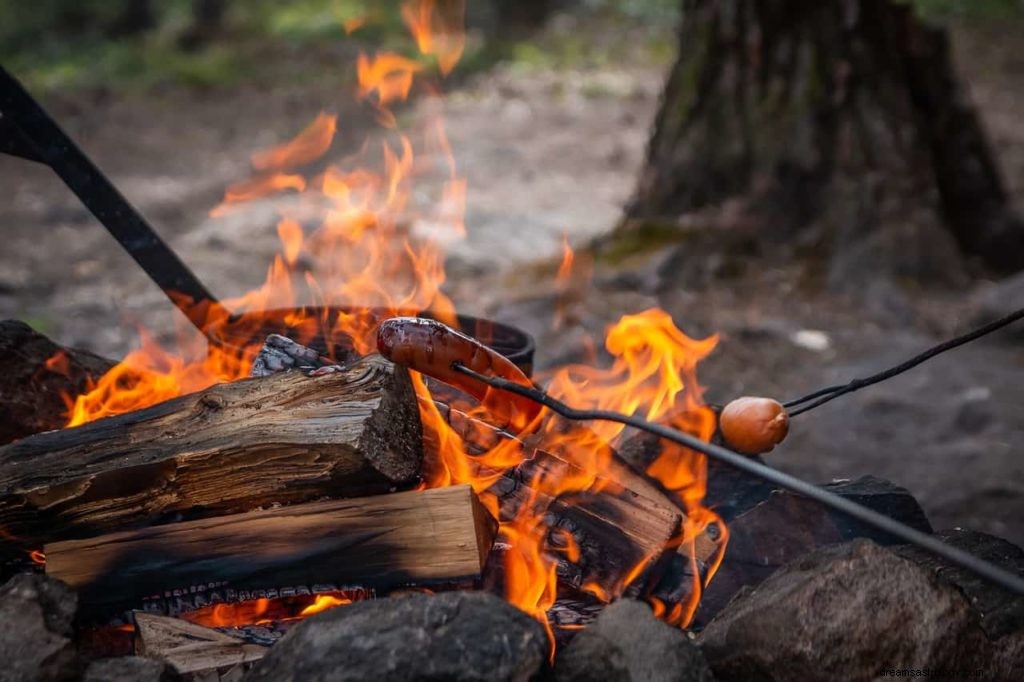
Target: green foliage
point(62, 44)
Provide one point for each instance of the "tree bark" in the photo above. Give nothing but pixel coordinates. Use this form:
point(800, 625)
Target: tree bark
point(233, 447)
point(844, 115)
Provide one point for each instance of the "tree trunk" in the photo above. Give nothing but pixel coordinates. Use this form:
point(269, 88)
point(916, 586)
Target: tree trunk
point(840, 122)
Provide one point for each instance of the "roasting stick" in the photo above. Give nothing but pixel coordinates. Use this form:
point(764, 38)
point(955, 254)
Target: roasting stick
point(983, 568)
point(824, 395)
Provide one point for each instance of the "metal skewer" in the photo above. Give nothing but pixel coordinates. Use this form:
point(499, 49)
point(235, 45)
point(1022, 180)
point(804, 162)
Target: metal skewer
point(985, 569)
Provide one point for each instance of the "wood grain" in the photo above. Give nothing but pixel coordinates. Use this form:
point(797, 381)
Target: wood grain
point(233, 447)
point(190, 648)
point(417, 538)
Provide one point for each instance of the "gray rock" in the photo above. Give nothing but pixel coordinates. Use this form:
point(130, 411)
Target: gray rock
point(1001, 613)
point(845, 613)
point(628, 644)
point(787, 526)
point(130, 669)
point(451, 636)
point(36, 615)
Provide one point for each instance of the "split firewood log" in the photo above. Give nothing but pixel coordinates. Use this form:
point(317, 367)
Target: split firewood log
point(191, 649)
point(233, 447)
point(421, 537)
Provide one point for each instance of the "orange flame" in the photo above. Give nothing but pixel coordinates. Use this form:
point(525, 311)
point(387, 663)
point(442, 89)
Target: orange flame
point(371, 257)
point(353, 24)
point(265, 610)
point(437, 27)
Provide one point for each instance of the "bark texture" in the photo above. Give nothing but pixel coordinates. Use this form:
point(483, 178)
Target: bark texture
point(843, 115)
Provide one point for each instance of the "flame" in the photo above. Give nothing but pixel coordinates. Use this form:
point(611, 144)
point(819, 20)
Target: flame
point(437, 27)
point(59, 363)
point(265, 610)
point(358, 245)
point(390, 76)
point(322, 603)
point(307, 146)
point(353, 24)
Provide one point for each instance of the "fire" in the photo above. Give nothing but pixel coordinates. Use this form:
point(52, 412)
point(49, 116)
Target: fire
point(307, 146)
point(264, 610)
point(437, 27)
point(358, 244)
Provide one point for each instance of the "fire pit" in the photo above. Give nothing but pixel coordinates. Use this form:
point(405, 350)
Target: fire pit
point(195, 514)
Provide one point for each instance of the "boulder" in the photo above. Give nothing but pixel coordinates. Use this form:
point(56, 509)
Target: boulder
point(788, 526)
point(36, 615)
point(628, 644)
point(457, 636)
point(846, 612)
point(130, 669)
point(1001, 613)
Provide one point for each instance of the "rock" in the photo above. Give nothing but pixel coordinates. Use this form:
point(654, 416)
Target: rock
point(36, 615)
point(1001, 613)
point(787, 526)
point(628, 644)
point(31, 388)
point(845, 613)
point(450, 636)
point(130, 669)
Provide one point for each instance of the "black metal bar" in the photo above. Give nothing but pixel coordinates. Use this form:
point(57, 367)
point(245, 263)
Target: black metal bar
point(53, 147)
point(13, 143)
point(977, 565)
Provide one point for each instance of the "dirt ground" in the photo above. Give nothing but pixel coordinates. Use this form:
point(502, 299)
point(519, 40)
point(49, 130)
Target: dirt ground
point(551, 150)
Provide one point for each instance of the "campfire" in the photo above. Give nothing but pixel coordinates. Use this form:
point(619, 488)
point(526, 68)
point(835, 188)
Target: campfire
point(312, 445)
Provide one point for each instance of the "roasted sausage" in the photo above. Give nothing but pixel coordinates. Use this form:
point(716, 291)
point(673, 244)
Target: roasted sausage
point(431, 347)
point(754, 425)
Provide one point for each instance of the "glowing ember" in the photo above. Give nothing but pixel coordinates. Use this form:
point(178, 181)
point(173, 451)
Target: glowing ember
point(363, 258)
point(264, 611)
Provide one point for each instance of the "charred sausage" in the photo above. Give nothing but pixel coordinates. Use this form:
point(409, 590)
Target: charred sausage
point(431, 347)
point(754, 425)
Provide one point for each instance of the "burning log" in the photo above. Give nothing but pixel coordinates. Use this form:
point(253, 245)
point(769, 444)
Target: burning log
point(35, 373)
point(625, 525)
point(439, 536)
point(233, 447)
point(190, 648)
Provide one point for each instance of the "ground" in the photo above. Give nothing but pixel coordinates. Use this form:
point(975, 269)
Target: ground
point(552, 147)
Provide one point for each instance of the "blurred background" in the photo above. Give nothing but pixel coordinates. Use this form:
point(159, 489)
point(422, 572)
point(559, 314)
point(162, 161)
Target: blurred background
point(829, 186)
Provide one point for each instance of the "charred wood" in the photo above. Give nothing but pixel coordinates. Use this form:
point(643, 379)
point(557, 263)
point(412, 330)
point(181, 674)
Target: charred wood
point(35, 375)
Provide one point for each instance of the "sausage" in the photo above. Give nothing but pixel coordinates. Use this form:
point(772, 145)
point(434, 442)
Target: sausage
point(754, 425)
point(431, 347)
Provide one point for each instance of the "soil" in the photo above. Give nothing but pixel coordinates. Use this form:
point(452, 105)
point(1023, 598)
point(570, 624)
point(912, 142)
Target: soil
point(550, 150)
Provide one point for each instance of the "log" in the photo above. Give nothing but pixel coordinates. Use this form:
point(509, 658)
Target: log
point(191, 648)
point(627, 524)
point(233, 447)
point(35, 375)
point(425, 537)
